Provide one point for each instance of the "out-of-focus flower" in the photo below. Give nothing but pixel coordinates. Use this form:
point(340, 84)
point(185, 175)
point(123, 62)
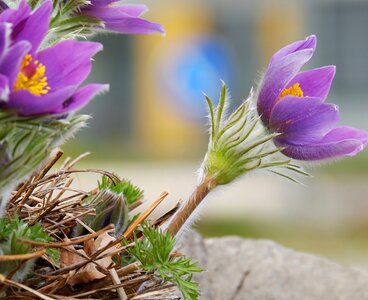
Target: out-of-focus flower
point(123, 18)
point(42, 82)
point(291, 103)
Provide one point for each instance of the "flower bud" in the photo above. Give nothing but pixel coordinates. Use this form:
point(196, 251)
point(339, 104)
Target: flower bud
point(111, 208)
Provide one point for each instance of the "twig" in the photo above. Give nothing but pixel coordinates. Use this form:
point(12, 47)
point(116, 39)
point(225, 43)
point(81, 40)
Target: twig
point(116, 280)
point(42, 174)
point(70, 242)
point(24, 287)
point(168, 289)
point(52, 205)
point(22, 256)
point(142, 217)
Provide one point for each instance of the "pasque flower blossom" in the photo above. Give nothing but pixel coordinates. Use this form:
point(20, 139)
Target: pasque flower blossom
point(291, 103)
point(34, 81)
point(123, 18)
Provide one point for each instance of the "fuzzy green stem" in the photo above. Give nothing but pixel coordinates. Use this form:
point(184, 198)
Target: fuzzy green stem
point(184, 213)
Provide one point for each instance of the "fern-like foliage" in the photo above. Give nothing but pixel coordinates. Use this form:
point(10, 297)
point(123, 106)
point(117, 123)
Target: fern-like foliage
point(154, 250)
point(131, 192)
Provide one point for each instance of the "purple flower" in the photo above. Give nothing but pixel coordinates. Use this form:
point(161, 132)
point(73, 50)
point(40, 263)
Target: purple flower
point(291, 103)
point(42, 82)
point(124, 18)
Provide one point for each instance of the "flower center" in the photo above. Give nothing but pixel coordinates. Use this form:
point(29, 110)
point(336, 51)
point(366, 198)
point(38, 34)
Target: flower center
point(31, 77)
point(294, 90)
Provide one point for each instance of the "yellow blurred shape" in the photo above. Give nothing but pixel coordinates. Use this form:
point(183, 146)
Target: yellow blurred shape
point(161, 129)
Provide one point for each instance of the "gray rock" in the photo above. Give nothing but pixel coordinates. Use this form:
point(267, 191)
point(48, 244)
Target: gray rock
point(238, 269)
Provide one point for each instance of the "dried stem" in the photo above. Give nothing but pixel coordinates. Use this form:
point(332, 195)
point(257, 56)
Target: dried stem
point(130, 230)
point(188, 207)
point(22, 256)
point(116, 280)
point(22, 286)
point(55, 157)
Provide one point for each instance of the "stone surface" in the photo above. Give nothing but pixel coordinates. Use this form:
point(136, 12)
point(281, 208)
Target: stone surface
point(238, 269)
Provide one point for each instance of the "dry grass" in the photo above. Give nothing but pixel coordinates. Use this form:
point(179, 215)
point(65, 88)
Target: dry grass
point(90, 266)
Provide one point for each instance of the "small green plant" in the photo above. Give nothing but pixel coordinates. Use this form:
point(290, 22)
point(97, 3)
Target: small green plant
point(154, 250)
point(11, 233)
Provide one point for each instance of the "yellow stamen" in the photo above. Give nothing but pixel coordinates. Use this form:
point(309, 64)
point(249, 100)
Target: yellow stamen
point(294, 90)
point(32, 77)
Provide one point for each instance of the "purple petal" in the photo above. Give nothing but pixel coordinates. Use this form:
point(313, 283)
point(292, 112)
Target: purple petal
point(82, 97)
point(133, 25)
point(276, 78)
point(17, 15)
point(5, 31)
point(4, 88)
point(309, 43)
point(117, 18)
point(134, 10)
point(303, 120)
point(35, 26)
point(11, 61)
point(24, 23)
point(68, 62)
point(316, 82)
point(347, 132)
point(339, 142)
point(28, 104)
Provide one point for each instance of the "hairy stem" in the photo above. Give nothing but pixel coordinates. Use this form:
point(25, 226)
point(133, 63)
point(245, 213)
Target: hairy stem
point(188, 207)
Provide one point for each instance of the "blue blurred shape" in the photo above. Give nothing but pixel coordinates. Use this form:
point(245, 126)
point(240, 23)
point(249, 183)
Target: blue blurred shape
point(197, 67)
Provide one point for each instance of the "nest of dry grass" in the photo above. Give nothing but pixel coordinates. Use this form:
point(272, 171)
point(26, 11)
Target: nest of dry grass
point(89, 266)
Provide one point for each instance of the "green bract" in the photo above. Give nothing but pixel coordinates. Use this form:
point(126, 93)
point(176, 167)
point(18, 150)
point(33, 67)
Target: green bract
point(239, 144)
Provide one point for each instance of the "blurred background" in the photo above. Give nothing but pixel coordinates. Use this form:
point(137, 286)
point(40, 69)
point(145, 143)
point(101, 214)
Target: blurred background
point(151, 126)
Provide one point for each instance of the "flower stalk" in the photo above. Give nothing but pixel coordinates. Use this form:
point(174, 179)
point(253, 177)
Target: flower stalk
point(195, 199)
point(238, 145)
